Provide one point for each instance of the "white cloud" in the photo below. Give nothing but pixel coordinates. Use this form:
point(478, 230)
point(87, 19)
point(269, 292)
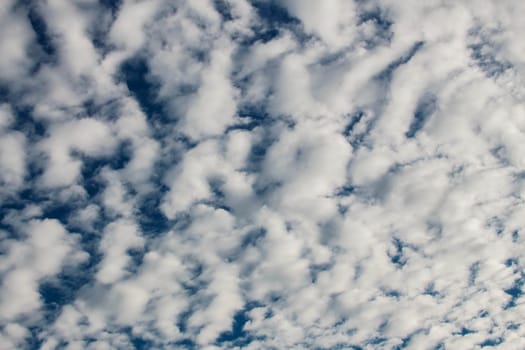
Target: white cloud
point(12, 152)
point(88, 136)
point(213, 106)
point(332, 20)
point(127, 31)
point(15, 41)
point(353, 177)
point(12, 160)
point(46, 249)
point(132, 126)
point(119, 237)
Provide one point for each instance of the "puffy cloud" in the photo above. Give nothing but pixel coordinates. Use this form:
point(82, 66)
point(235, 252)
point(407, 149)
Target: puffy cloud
point(87, 136)
point(12, 153)
point(15, 43)
point(213, 107)
point(119, 237)
point(45, 250)
point(261, 174)
point(333, 20)
point(127, 31)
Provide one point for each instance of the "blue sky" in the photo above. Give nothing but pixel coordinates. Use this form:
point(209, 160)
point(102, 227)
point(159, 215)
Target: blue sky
point(249, 174)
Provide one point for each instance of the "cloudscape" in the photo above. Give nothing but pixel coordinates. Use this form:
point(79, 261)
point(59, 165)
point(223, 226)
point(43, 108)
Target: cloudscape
point(262, 174)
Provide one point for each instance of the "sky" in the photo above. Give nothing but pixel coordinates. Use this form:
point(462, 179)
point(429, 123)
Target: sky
point(262, 174)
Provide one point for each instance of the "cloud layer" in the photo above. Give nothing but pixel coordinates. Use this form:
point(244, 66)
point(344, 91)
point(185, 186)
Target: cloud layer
point(262, 174)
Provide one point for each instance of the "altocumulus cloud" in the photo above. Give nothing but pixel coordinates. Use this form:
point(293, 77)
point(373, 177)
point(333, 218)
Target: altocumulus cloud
point(253, 174)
